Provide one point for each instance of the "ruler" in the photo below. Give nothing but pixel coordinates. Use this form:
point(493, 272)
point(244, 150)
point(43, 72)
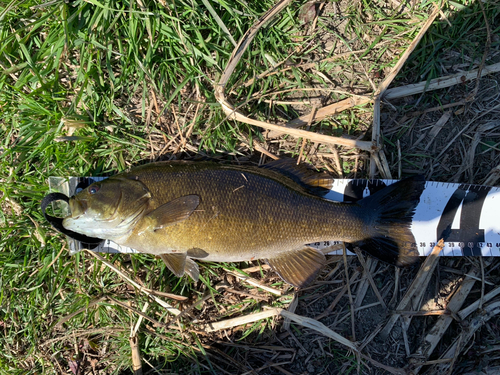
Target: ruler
point(466, 216)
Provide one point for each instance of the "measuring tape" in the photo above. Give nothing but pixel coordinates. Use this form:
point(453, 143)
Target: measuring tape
point(466, 216)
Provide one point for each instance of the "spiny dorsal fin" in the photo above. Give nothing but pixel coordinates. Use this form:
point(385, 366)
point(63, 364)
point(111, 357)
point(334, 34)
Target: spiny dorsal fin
point(298, 267)
point(172, 212)
point(315, 183)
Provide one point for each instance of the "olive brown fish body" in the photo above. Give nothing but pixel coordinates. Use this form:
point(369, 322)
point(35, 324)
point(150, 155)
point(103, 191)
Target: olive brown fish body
point(232, 213)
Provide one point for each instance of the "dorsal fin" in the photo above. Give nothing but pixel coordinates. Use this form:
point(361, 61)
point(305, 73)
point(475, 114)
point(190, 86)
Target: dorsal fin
point(314, 182)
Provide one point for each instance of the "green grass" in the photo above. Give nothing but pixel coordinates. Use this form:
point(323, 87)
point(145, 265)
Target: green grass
point(90, 69)
point(466, 38)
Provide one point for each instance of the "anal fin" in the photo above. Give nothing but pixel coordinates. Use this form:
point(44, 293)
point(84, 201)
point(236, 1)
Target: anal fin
point(298, 267)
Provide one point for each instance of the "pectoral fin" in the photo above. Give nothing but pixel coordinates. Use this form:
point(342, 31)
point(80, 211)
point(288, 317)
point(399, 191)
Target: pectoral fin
point(298, 267)
point(179, 264)
point(172, 212)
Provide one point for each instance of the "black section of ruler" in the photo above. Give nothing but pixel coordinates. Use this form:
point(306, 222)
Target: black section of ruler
point(472, 198)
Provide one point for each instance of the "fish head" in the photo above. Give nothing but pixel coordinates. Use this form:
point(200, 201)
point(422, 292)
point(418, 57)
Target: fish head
point(108, 209)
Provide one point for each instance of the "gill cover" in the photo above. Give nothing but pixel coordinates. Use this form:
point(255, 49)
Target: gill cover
point(108, 208)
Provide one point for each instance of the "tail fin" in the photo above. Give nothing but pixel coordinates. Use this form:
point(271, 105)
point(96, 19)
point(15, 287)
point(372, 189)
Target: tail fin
point(393, 207)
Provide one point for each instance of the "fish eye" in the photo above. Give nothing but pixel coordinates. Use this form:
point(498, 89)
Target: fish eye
point(93, 189)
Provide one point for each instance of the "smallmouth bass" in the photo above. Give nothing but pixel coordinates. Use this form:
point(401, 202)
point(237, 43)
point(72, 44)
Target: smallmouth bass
point(223, 213)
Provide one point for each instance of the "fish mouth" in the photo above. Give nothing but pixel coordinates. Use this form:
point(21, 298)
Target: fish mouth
point(87, 218)
point(80, 207)
point(77, 207)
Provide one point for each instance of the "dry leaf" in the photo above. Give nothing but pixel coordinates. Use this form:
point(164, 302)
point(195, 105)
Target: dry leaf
point(73, 366)
point(307, 12)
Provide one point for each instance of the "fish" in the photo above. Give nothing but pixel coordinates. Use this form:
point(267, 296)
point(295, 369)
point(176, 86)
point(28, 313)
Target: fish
point(185, 211)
